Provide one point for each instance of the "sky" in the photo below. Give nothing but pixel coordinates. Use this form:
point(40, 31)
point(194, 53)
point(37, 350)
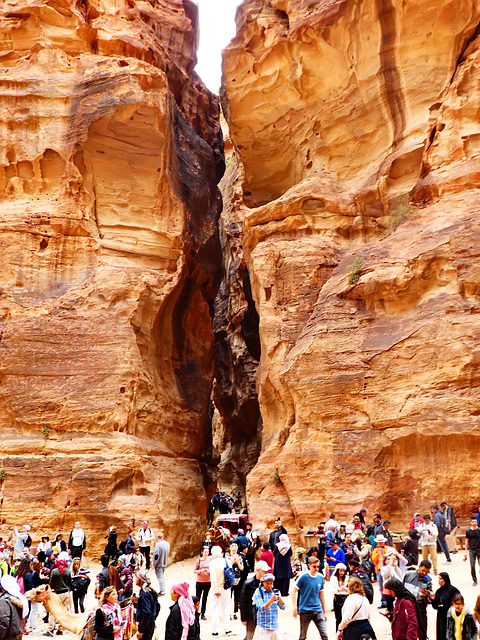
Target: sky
point(217, 28)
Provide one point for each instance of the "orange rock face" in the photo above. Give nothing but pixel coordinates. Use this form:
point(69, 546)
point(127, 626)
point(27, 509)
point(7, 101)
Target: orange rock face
point(357, 127)
point(109, 158)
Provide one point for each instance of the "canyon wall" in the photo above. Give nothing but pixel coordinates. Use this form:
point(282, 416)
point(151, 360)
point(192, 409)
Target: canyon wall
point(110, 154)
point(357, 130)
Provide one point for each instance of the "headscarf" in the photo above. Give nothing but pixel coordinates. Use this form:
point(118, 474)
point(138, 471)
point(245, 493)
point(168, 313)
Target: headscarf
point(400, 590)
point(445, 594)
point(283, 544)
point(61, 563)
point(186, 605)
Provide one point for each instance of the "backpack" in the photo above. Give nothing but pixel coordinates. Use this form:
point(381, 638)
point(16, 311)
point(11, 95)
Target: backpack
point(228, 576)
point(367, 585)
point(28, 541)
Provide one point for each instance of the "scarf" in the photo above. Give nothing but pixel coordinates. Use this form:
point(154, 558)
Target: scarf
point(187, 608)
point(61, 564)
point(399, 589)
point(458, 622)
point(113, 612)
point(283, 544)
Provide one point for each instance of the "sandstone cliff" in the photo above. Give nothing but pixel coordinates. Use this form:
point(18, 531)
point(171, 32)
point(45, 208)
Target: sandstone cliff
point(357, 129)
point(110, 154)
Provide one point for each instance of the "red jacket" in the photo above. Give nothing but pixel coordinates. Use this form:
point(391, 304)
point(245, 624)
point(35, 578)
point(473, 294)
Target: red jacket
point(404, 620)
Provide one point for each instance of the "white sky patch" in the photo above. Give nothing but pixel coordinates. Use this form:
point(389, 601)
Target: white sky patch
point(217, 28)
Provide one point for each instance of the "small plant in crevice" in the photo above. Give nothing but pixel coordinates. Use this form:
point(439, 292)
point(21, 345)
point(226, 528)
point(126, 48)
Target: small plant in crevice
point(353, 270)
point(276, 477)
point(399, 211)
point(3, 473)
point(46, 432)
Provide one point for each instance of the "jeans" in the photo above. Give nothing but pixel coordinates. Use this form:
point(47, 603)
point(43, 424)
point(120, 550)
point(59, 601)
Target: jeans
point(474, 557)
point(160, 573)
point(318, 620)
point(443, 544)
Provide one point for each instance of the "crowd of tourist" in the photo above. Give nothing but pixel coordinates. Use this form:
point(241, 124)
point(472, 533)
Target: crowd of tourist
point(239, 575)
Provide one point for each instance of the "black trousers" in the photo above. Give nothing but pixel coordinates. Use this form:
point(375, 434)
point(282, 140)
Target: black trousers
point(146, 553)
point(201, 591)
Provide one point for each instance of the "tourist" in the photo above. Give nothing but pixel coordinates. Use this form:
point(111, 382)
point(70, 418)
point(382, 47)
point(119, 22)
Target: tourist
point(160, 561)
point(378, 558)
point(126, 576)
point(194, 631)
point(236, 562)
point(108, 616)
point(320, 533)
point(390, 570)
point(364, 554)
point(21, 539)
point(36, 580)
point(182, 612)
point(332, 526)
point(221, 596)
point(103, 577)
point(309, 600)
point(334, 555)
point(428, 540)
point(247, 612)
point(476, 611)
point(355, 621)
point(203, 584)
point(442, 602)
point(378, 528)
point(80, 584)
point(13, 609)
point(416, 520)
point(241, 540)
point(21, 574)
point(339, 588)
point(409, 546)
point(139, 558)
point(404, 615)
point(77, 541)
point(43, 545)
point(253, 544)
point(279, 530)
point(111, 547)
point(282, 567)
point(419, 583)
point(147, 607)
point(145, 537)
point(267, 602)
point(358, 572)
point(461, 623)
point(60, 581)
point(472, 547)
point(439, 521)
point(129, 547)
point(60, 543)
point(450, 526)
point(299, 565)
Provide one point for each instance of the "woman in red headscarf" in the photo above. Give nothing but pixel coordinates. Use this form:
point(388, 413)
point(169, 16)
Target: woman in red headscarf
point(182, 612)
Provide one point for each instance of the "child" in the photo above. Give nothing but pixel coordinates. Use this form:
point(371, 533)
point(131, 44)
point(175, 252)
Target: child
point(194, 630)
point(461, 624)
point(268, 602)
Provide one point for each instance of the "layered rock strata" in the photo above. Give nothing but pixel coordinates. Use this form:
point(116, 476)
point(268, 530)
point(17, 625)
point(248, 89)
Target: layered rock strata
point(356, 126)
point(109, 158)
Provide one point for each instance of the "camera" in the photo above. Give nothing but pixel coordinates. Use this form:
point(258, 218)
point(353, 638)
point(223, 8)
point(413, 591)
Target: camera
point(276, 592)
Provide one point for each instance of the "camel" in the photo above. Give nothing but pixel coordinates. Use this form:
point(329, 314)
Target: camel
point(74, 622)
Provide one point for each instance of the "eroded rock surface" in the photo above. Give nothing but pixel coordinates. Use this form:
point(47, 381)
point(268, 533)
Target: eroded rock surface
point(357, 128)
point(109, 158)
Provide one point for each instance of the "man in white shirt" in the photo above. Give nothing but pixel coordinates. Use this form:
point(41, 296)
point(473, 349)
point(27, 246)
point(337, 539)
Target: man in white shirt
point(221, 597)
point(77, 541)
point(145, 537)
point(428, 540)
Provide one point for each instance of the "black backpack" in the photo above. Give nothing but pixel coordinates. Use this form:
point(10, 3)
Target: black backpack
point(28, 541)
point(367, 585)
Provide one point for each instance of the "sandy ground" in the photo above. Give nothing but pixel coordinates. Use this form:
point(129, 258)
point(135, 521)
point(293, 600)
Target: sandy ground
point(458, 570)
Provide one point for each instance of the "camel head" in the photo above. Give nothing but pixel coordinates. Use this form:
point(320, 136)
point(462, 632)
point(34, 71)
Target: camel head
point(40, 594)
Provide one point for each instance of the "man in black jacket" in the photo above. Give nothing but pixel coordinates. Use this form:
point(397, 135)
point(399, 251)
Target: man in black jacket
point(276, 533)
point(11, 609)
point(247, 613)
